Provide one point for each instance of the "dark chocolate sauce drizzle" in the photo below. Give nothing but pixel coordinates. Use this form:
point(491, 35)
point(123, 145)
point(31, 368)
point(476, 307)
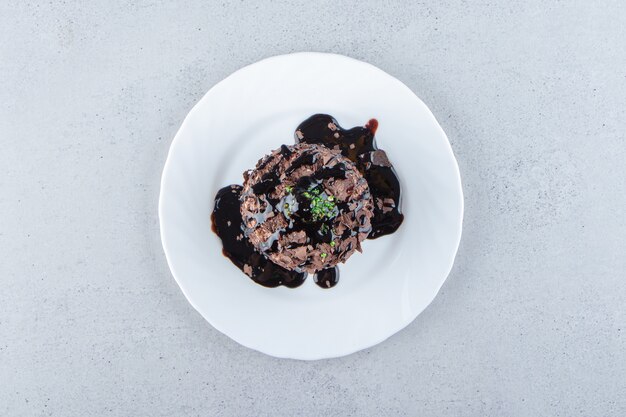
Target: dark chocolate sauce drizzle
point(227, 224)
point(357, 144)
point(327, 278)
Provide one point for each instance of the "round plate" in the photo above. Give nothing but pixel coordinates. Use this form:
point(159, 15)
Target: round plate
point(380, 291)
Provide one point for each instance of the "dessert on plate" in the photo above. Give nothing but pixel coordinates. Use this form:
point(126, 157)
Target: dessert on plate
point(307, 207)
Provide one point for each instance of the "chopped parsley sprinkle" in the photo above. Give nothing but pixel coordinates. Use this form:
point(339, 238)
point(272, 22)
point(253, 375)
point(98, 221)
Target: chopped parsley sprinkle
point(332, 244)
point(322, 206)
point(323, 255)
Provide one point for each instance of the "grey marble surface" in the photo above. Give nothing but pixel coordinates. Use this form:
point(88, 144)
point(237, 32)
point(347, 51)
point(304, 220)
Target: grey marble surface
point(532, 319)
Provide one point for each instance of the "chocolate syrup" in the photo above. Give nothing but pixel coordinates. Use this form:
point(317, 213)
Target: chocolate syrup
point(327, 278)
point(357, 144)
point(227, 224)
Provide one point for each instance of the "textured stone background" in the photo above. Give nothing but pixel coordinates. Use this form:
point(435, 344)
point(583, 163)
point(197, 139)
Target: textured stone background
point(531, 321)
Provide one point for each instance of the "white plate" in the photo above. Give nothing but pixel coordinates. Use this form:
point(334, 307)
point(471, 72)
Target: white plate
point(380, 291)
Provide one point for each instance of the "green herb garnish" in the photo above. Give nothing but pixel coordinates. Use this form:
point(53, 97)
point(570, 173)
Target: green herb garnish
point(323, 255)
point(322, 206)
